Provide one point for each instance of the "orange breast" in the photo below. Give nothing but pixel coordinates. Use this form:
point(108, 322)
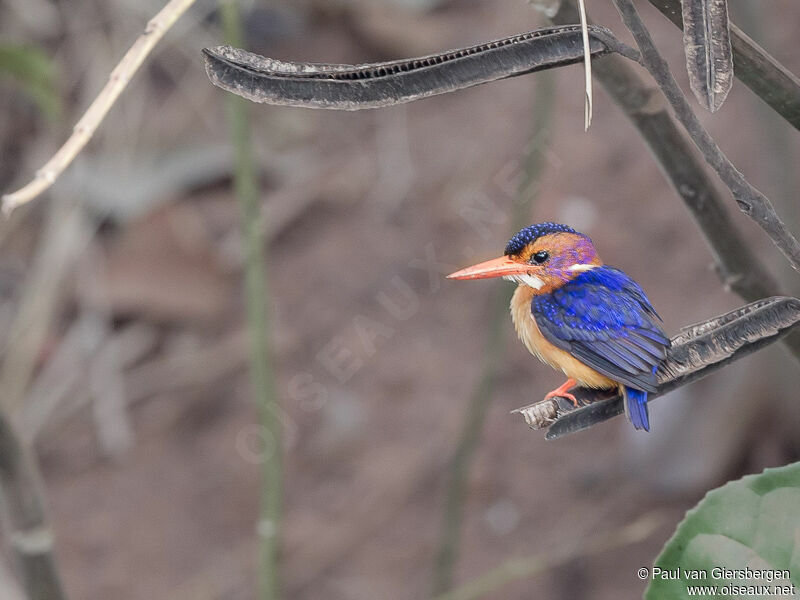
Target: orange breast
point(528, 331)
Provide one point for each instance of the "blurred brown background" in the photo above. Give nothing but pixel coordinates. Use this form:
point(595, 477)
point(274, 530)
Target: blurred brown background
point(125, 350)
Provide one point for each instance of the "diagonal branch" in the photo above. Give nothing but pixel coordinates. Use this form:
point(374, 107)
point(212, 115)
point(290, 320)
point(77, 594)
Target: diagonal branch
point(751, 201)
point(697, 351)
point(753, 66)
point(94, 115)
point(737, 264)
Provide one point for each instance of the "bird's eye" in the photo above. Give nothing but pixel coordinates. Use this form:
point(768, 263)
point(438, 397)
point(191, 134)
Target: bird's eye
point(540, 257)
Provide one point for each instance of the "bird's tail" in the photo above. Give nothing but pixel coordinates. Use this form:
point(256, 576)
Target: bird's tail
point(636, 407)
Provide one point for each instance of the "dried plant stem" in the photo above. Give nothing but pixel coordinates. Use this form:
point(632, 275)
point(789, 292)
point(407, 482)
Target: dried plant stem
point(256, 298)
point(456, 491)
point(23, 503)
point(737, 264)
point(697, 351)
point(751, 201)
point(94, 115)
point(587, 67)
point(24, 507)
point(516, 569)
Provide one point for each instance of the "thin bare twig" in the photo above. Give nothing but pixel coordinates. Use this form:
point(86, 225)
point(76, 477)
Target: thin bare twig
point(696, 352)
point(87, 125)
point(587, 67)
point(751, 201)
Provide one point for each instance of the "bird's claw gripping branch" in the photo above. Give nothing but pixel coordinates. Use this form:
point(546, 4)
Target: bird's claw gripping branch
point(355, 87)
point(698, 350)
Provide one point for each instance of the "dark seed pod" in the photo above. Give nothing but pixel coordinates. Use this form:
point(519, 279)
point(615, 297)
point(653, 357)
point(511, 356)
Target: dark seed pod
point(353, 87)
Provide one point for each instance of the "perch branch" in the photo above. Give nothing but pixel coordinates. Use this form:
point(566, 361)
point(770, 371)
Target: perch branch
point(697, 351)
point(753, 66)
point(94, 115)
point(736, 263)
point(752, 202)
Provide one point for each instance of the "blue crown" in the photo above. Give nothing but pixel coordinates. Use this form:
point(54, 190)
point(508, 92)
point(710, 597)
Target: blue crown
point(529, 234)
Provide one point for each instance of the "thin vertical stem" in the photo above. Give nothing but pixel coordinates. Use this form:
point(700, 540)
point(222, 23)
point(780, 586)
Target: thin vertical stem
point(24, 510)
point(455, 494)
point(256, 298)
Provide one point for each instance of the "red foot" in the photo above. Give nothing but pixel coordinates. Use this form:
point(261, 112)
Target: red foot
point(562, 391)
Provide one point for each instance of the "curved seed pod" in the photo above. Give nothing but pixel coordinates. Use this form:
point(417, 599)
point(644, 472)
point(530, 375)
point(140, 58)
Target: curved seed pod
point(698, 350)
point(354, 87)
point(707, 44)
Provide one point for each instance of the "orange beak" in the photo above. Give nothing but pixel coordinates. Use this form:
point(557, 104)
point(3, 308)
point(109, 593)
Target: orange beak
point(497, 267)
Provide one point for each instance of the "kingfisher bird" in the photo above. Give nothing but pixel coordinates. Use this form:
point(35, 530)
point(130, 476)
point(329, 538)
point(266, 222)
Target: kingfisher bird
point(587, 319)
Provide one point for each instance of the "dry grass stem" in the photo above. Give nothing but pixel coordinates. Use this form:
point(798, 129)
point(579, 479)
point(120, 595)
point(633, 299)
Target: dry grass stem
point(587, 67)
point(88, 124)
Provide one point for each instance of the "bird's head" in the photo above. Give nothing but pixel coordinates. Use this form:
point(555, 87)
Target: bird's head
point(543, 257)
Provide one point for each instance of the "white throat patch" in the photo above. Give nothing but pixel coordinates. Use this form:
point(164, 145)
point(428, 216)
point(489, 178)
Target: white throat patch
point(582, 267)
point(529, 280)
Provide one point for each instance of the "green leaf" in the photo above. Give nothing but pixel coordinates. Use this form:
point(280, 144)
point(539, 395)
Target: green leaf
point(34, 72)
point(753, 523)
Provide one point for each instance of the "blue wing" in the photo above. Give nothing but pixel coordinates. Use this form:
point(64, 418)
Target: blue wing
point(604, 319)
